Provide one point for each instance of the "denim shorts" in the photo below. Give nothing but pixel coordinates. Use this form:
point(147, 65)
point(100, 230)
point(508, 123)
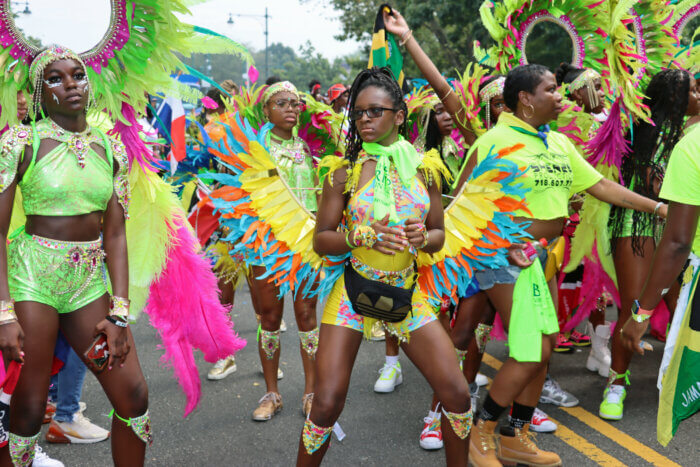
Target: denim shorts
point(506, 274)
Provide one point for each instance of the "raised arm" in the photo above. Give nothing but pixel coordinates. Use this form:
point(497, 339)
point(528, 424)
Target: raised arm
point(396, 24)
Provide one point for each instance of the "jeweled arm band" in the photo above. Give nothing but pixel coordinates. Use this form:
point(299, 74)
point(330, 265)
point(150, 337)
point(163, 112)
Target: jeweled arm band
point(7, 312)
point(119, 307)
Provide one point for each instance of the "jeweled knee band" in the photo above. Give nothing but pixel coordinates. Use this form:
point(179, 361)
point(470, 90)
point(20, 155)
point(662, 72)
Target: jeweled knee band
point(482, 335)
point(269, 341)
point(22, 449)
point(309, 341)
point(141, 426)
point(314, 436)
point(461, 423)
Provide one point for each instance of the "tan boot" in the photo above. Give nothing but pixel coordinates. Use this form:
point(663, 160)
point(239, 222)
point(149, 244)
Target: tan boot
point(482, 445)
point(522, 449)
point(270, 405)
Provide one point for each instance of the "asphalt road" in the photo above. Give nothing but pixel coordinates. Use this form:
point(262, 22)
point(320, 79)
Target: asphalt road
point(382, 429)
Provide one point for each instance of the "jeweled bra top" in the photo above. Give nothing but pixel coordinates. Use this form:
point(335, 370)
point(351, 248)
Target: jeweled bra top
point(71, 179)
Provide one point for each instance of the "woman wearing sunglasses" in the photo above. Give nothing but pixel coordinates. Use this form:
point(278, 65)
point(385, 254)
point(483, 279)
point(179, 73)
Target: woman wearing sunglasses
point(390, 196)
point(281, 107)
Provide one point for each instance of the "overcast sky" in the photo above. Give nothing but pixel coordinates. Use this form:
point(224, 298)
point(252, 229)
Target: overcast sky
point(79, 24)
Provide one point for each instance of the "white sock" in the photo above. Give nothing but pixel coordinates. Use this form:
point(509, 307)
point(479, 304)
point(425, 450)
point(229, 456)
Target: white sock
point(392, 360)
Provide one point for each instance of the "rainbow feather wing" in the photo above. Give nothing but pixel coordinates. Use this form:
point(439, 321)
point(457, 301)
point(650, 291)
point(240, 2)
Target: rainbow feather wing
point(478, 228)
point(265, 221)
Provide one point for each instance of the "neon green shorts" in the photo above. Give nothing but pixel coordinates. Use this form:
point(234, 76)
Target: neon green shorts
point(64, 275)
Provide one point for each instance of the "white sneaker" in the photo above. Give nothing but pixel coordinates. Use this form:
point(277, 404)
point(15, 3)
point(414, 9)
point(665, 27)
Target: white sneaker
point(431, 436)
point(41, 459)
point(390, 376)
point(79, 431)
point(541, 423)
point(222, 368)
point(481, 380)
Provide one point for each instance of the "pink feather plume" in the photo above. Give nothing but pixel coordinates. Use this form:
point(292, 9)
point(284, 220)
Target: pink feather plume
point(136, 149)
point(184, 306)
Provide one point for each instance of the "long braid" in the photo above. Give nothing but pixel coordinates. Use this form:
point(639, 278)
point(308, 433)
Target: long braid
point(382, 78)
point(667, 98)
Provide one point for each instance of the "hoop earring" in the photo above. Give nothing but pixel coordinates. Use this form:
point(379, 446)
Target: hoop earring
point(533, 112)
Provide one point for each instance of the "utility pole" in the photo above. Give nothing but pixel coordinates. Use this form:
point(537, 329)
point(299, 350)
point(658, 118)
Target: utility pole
point(267, 35)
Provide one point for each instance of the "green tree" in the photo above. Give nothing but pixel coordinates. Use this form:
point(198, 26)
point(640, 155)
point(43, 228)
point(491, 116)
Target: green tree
point(446, 29)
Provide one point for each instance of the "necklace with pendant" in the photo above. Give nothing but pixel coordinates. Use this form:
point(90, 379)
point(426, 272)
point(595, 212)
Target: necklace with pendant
point(76, 142)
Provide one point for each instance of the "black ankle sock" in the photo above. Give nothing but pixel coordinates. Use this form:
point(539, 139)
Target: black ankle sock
point(521, 415)
point(491, 411)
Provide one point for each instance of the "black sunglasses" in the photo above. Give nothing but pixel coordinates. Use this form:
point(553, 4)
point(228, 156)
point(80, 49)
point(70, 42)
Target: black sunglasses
point(374, 112)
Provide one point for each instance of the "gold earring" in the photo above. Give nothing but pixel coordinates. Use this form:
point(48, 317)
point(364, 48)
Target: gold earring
point(533, 111)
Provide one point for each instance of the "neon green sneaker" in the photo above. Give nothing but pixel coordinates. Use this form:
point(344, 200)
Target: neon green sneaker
point(612, 406)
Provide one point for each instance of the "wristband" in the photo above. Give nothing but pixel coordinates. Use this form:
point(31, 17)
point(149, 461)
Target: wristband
point(119, 306)
point(117, 321)
point(405, 37)
point(425, 240)
point(7, 311)
point(657, 207)
point(347, 240)
point(639, 314)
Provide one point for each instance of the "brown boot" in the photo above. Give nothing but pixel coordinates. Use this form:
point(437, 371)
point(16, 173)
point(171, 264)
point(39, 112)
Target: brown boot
point(482, 445)
point(518, 445)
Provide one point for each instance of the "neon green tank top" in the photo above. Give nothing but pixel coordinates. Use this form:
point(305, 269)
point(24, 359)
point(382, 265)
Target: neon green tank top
point(72, 179)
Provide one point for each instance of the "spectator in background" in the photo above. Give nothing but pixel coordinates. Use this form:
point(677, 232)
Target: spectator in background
point(338, 97)
point(273, 79)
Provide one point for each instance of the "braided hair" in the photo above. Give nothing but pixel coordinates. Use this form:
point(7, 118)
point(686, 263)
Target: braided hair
point(652, 143)
point(566, 73)
point(381, 78)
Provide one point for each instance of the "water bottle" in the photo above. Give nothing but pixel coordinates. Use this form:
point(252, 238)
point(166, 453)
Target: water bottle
point(530, 249)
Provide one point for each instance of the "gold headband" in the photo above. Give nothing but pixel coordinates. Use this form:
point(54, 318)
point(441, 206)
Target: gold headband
point(587, 77)
point(278, 87)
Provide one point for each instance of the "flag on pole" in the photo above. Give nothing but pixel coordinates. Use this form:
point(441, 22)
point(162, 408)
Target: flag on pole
point(385, 50)
point(170, 123)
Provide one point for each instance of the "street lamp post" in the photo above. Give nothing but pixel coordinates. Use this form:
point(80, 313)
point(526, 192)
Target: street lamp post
point(267, 34)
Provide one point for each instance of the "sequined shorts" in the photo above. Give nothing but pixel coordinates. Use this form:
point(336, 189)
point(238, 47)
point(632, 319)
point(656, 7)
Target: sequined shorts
point(64, 275)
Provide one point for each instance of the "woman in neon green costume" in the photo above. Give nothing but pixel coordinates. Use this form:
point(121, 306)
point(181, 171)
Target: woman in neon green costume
point(75, 195)
point(281, 106)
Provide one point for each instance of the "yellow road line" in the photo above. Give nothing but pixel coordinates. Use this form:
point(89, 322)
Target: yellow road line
point(621, 438)
point(606, 429)
point(582, 445)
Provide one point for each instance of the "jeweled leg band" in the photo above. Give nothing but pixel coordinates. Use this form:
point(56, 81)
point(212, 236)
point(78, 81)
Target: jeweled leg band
point(269, 341)
point(461, 422)
point(314, 436)
point(309, 341)
point(482, 335)
point(22, 449)
point(141, 426)
point(613, 375)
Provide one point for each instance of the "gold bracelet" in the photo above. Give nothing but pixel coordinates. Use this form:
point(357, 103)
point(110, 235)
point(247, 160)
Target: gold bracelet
point(119, 306)
point(442, 99)
point(405, 37)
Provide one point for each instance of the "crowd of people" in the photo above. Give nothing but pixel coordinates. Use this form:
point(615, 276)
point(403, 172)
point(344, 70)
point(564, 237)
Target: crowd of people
point(359, 203)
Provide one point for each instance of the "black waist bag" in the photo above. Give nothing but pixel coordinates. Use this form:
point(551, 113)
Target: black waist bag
point(375, 299)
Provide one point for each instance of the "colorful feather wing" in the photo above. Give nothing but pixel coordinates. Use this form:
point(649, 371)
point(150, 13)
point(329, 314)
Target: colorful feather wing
point(479, 227)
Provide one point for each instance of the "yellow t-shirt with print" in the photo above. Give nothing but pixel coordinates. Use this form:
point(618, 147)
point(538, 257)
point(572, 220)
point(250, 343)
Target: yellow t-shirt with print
point(682, 179)
point(553, 174)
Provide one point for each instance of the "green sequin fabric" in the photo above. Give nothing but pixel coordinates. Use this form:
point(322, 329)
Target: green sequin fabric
point(293, 159)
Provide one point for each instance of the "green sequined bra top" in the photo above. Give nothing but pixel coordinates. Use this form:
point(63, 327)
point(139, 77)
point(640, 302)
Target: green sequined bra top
point(72, 179)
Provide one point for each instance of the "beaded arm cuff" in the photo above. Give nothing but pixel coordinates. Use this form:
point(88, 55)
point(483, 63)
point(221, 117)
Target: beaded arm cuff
point(119, 307)
point(7, 312)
